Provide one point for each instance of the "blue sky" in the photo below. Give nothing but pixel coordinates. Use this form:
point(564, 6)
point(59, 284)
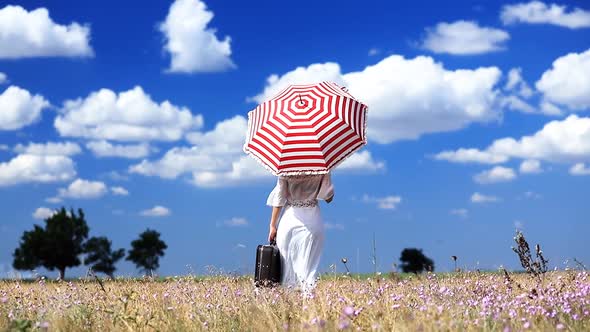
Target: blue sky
point(477, 125)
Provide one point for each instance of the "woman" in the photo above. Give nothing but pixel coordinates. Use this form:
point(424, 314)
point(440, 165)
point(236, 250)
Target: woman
point(300, 234)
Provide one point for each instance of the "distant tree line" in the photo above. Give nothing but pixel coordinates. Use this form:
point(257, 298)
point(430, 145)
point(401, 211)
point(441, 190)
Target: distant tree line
point(64, 239)
point(413, 260)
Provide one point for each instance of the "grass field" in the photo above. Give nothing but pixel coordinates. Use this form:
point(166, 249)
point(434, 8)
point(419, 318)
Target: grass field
point(430, 302)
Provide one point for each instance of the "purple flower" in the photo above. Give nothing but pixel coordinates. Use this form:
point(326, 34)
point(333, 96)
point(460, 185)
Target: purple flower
point(560, 326)
point(3, 299)
point(348, 311)
point(343, 324)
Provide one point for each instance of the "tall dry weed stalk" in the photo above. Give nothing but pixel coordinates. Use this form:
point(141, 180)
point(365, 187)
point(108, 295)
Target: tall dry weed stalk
point(537, 266)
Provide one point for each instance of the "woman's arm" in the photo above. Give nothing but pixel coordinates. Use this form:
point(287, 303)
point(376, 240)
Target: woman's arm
point(274, 219)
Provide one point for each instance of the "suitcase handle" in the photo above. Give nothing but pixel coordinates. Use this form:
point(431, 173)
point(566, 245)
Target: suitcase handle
point(273, 243)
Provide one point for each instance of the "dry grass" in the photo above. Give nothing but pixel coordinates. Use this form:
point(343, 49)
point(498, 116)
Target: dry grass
point(463, 301)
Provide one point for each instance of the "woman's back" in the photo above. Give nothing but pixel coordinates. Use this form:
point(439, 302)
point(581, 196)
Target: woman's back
point(301, 190)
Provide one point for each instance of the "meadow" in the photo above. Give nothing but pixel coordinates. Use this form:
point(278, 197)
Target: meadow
point(461, 301)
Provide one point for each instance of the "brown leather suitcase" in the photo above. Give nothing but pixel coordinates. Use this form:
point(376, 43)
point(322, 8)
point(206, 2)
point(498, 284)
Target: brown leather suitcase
point(268, 266)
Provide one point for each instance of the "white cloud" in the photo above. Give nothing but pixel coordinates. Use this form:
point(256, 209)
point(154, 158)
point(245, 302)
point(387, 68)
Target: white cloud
point(49, 149)
point(25, 34)
point(216, 159)
point(243, 170)
point(548, 108)
point(234, 222)
point(192, 46)
point(463, 38)
point(362, 160)
point(53, 200)
point(463, 155)
point(518, 224)
point(116, 176)
point(83, 189)
point(568, 81)
point(386, 203)
point(156, 211)
point(130, 151)
point(317, 72)
point(537, 12)
point(177, 161)
point(119, 191)
point(19, 107)
point(407, 98)
point(558, 141)
point(43, 213)
point(28, 168)
point(517, 91)
point(580, 169)
point(3, 78)
point(463, 213)
point(561, 141)
point(496, 174)
point(4, 147)
point(516, 103)
point(530, 166)
point(227, 137)
point(517, 84)
point(481, 198)
point(128, 116)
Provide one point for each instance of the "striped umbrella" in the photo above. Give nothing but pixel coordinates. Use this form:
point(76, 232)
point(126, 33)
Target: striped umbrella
point(306, 129)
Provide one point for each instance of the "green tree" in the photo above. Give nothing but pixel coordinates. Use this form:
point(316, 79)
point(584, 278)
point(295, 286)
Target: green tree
point(146, 251)
point(57, 246)
point(413, 260)
point(100, 257)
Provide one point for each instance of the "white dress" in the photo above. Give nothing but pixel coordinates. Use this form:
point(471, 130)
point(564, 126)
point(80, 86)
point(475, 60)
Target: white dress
point(300, 234)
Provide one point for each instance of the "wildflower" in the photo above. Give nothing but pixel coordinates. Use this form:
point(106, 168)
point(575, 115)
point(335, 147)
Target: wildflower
point(317, 321)
point(343, 324)
point(560, 326)
point(42, 325)
point(3, 299)
point(348, 311)
point(526, 325)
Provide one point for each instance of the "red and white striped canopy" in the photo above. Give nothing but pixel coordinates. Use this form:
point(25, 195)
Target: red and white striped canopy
point(306, 129)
